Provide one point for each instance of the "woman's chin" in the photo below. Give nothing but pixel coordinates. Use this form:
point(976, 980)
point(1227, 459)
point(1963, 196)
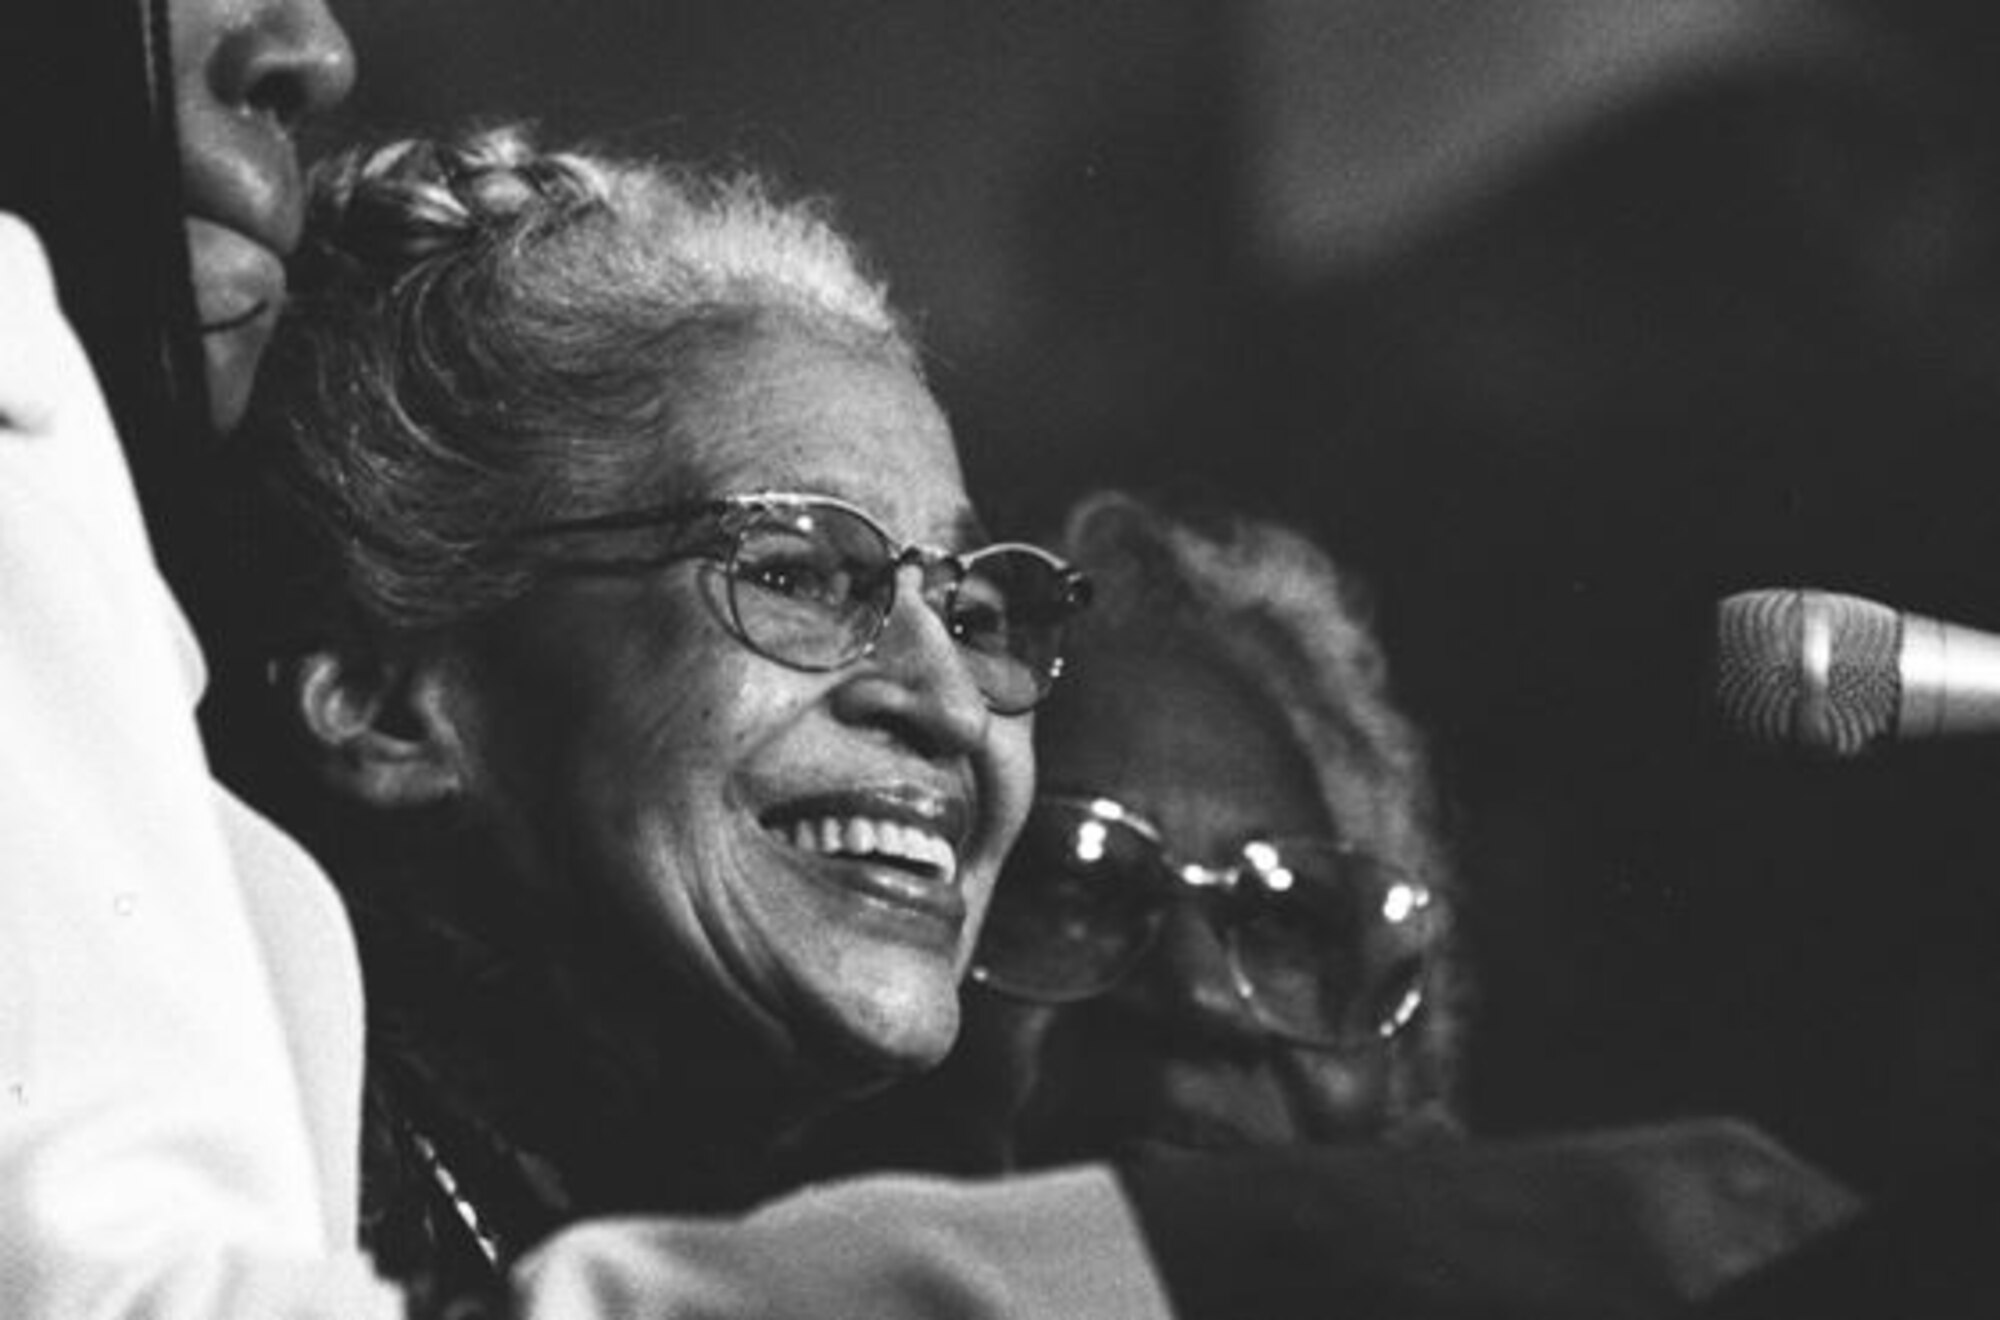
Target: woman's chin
point(890, 1026)
point(231, 359)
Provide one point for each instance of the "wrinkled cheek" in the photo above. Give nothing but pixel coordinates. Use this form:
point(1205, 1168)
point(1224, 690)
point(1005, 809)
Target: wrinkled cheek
point(979, 901)
point(1014, 776)
point(662, 882)
point(739, 929)
point(902, 1007)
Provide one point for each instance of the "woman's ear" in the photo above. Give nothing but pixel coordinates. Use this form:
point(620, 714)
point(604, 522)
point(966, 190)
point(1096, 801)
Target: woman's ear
point(381, 729)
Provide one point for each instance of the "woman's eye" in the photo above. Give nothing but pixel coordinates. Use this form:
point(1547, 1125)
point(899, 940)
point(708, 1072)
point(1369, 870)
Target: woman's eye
point(799, 577)
point(979, 619)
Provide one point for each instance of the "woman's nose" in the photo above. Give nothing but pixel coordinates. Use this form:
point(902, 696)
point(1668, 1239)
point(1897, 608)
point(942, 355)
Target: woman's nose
point(289, 59)
point(917, 679)
point(1187, 979)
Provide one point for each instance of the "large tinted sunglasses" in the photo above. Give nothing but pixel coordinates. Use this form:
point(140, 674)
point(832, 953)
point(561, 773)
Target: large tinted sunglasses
point(811, 581)
point(1327, 946)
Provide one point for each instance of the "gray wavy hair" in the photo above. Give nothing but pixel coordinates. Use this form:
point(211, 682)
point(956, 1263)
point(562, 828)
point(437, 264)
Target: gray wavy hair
point(1271, 606)
point(482, 332)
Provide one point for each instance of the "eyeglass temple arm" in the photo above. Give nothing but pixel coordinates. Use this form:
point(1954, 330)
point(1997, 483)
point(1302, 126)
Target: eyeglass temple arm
point(659, 515)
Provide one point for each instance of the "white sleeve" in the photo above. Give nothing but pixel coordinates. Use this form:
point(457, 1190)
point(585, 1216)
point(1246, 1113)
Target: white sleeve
point(157, 1152)
point(1052, 1246)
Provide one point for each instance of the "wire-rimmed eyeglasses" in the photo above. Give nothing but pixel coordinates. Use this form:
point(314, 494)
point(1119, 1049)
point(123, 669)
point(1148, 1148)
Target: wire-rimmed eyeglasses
point(1327, 945)
point(811, 581)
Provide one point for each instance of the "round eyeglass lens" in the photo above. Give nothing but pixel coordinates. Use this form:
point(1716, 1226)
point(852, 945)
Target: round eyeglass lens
point(1007, 615)
point(809, 585)
point(1330, 945)
point(1075, 908)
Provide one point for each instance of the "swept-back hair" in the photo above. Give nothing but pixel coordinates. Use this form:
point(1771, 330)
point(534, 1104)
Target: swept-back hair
point(482, 332)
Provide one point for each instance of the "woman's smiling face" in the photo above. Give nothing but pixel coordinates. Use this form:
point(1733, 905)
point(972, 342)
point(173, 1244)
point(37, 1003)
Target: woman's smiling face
point(814, 851)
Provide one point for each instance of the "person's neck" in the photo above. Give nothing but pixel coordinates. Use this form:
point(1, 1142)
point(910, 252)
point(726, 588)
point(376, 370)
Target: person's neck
point(691, 1105)
point(634, 1088)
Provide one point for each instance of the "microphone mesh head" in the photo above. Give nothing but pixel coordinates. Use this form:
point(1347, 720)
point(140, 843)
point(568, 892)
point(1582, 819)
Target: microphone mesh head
point(1758, 676)
point(1771, 688)
point(1864, 682)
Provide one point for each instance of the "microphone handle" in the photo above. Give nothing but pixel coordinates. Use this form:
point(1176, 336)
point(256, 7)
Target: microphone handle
point(1950, 680)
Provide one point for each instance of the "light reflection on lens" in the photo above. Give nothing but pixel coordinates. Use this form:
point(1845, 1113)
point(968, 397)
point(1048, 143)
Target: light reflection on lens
point(1403, 902)
point(1328, 946)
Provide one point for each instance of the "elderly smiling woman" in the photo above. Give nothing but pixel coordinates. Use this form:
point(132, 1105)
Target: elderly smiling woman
point(665, 698)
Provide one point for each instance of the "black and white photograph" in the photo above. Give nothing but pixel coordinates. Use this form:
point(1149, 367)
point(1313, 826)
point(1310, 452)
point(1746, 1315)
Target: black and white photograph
point(1008, 660)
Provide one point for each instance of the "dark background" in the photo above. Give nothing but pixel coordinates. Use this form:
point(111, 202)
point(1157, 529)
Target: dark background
point(1556, 319)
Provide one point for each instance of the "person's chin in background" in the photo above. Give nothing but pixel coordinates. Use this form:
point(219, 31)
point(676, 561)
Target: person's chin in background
point(245, 75)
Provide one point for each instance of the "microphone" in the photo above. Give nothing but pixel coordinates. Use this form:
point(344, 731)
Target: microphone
point(1840, 676)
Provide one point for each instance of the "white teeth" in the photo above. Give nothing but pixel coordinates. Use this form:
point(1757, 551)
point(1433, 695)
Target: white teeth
point(857, 836)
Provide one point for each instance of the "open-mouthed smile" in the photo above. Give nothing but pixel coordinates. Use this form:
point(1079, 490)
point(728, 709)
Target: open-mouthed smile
point(891, 842)
point(899, 849)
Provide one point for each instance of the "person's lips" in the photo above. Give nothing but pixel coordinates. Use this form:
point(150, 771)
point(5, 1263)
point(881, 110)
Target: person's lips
point(899, 847)
point(245, 207)
point(239, 280)
point(239, 283)
point(223, 325)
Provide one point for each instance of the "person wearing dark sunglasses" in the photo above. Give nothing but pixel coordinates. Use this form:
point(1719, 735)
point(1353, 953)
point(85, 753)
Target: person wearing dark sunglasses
point(1227, 934)
point(1227, 923)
